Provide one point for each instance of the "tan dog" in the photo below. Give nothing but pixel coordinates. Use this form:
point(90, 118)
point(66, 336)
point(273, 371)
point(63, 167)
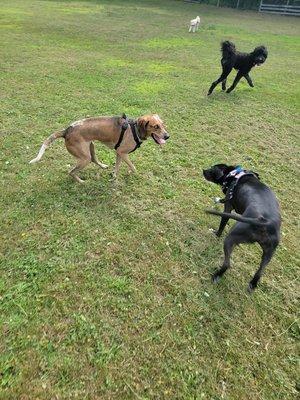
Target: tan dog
point(117, 133)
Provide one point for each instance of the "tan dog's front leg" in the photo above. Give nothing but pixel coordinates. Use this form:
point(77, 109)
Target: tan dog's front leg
point(129, 163)
point(117, 166)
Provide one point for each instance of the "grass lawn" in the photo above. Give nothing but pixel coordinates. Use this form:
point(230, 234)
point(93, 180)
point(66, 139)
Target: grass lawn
point(105, 288)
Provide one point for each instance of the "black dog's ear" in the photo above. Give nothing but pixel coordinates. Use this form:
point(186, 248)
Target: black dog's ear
point(218, 173)
point(256, 174)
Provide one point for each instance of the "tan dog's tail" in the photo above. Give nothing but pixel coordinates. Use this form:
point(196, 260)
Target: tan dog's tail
point(46, 144)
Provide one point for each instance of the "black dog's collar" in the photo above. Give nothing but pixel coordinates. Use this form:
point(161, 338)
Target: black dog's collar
point(232, 179)
point(134, 130)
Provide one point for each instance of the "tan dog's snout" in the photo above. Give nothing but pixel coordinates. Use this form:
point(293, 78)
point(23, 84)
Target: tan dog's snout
point(164, 132)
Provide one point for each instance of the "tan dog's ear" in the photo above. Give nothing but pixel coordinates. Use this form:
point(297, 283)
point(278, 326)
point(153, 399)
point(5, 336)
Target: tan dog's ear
point(122, 119)
point(158, 117)
point(142, 126)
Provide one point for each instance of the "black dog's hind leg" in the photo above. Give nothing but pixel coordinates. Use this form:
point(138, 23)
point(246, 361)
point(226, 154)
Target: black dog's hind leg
point(240, 233)
point(225, 73)
point(227, 208)
point(235, 82)
point(268, 252)
point(249, 80)
point(229, 243)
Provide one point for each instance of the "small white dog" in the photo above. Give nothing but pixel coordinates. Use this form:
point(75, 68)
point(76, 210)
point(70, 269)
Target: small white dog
point(194, 24)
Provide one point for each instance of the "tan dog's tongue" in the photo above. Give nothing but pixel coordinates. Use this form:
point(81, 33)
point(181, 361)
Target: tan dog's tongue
point(159, 140)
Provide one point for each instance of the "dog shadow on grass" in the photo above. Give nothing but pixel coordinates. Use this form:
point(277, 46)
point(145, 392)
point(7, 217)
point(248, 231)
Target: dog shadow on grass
point(99, 188)
point(237, 97)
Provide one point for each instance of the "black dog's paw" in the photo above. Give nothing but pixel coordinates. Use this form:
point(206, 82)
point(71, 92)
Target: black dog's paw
point(251, 288)
point(215, 277)
point(209, 93)
point(229, 90)
point(216, 233)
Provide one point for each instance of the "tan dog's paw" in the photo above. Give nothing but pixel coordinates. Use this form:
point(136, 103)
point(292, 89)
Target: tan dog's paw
point(79, 180)
point(113, 176)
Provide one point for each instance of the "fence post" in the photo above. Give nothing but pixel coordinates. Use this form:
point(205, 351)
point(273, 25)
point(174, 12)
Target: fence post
point(237, 3)
point(287, 3)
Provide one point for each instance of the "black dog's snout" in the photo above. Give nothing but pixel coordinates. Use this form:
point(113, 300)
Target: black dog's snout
point(261, 60)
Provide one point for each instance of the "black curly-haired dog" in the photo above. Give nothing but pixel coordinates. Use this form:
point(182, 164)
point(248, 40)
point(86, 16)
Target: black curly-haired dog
point(242, 62)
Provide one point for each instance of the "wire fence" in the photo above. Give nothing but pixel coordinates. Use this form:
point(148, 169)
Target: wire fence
point(245, 4)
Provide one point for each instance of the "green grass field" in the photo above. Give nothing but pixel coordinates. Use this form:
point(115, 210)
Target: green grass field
point(105, 287)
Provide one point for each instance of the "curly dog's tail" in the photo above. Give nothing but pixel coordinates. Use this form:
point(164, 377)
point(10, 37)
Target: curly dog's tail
point(228, 49)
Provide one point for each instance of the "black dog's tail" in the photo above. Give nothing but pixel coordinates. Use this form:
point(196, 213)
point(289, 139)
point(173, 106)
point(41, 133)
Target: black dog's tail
point(227, 49)
point(261, 221)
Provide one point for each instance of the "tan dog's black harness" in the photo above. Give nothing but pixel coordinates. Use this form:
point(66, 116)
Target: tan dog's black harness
point(134, 130)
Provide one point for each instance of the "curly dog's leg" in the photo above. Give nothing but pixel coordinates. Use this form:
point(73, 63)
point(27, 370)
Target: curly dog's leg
point(224, 84)
point(225, 73)
point(249, 80)
point(235, 82)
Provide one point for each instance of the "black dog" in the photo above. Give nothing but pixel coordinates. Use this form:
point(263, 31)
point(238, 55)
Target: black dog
point(260, 220)
point(242, 62)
